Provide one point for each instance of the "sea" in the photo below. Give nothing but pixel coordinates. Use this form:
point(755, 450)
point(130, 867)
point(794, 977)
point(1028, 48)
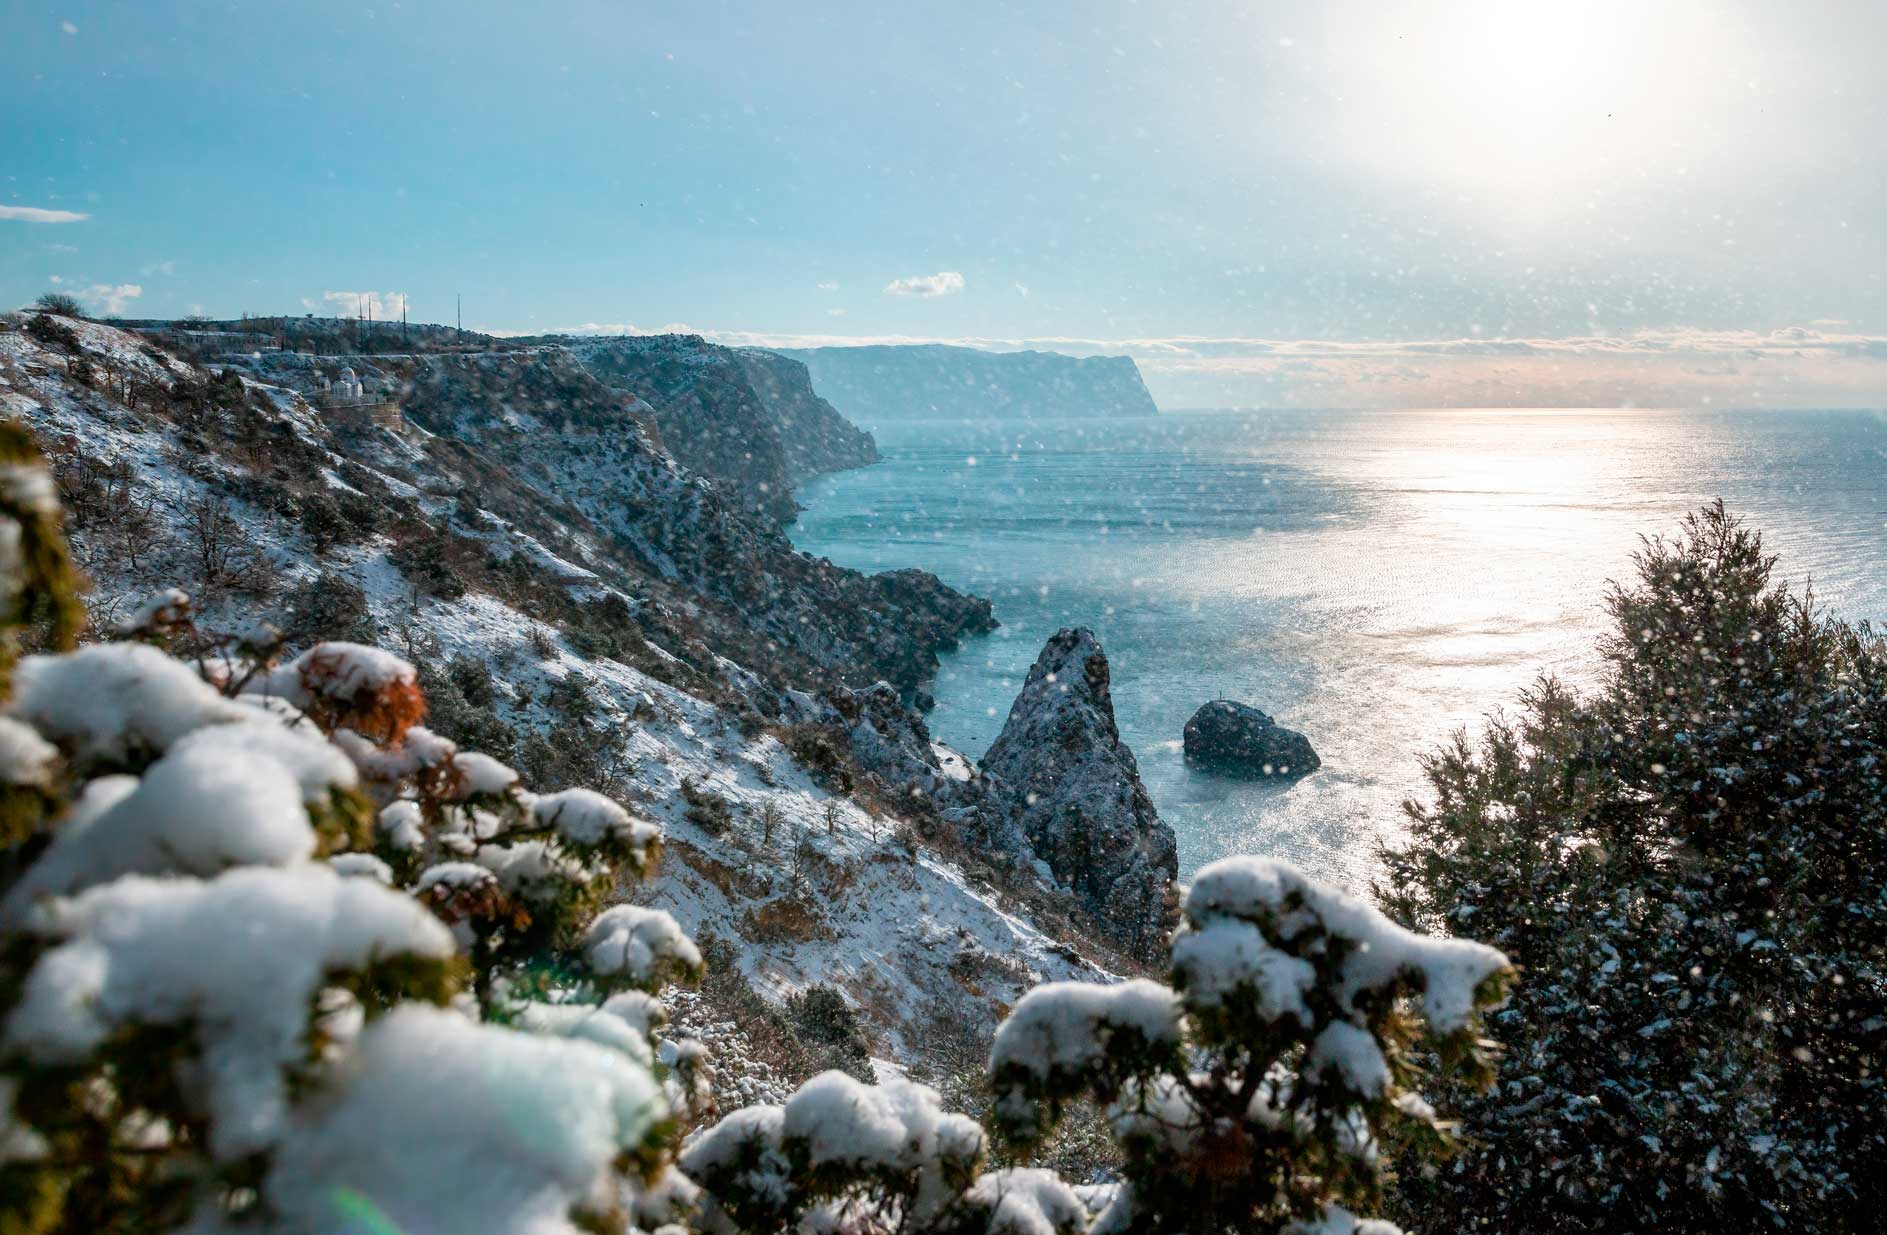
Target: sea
point(1376, 580)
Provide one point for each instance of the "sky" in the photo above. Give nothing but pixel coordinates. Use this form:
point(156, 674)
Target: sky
point(1340, 204)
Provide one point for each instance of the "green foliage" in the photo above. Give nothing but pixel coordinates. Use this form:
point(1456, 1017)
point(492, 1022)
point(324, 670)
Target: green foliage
point(707, 810)
point(114, 1133)
point(45, 586)
point(461, 704)
point(425, 558)
point(326, 607)
point(823, 1018)
point(47, 329)
point(1691, 867)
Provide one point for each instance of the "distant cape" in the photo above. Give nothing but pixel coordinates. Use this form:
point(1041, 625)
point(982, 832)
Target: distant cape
point(879, 383)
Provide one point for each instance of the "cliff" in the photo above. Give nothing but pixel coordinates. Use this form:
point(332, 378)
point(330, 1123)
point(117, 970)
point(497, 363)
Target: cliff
point(814, 437)
point(747, 418)
point(884, 383)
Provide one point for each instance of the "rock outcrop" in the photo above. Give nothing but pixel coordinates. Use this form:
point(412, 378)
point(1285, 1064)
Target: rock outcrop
point(1235, 738)
point(1073, 790)
point(872, 385)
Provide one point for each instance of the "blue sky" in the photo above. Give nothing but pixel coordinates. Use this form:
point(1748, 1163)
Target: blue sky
point(1115, 175)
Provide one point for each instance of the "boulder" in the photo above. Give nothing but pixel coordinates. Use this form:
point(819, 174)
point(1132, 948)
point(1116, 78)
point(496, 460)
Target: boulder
point(1071, 792)
point(1231, 737)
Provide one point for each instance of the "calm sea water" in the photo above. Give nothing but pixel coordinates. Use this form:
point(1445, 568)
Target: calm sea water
point(1376, 580)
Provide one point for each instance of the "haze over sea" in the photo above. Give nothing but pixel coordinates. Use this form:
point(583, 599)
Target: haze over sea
point(1374, 579)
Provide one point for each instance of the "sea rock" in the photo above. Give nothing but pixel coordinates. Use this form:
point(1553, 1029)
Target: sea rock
point(1072, 790)
point(1232, 737)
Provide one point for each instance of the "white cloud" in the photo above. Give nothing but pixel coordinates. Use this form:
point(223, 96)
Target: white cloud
point(35, 214)
point(828, 287)
point(163, 267)
point(68, 27)
point(384, 306)
point(943, 283)
point(1023, 290)
point(112, 299)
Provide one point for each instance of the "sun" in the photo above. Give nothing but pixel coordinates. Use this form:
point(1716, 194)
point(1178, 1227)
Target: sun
point(1528, 92)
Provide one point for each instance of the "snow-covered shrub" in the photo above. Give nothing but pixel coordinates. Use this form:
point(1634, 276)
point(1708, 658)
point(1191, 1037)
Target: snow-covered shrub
point(1690, 866)
point(1253, 1095)
point(838, 1155)
point(231, 894)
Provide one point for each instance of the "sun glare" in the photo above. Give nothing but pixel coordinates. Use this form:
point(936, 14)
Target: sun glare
point(1524, 94)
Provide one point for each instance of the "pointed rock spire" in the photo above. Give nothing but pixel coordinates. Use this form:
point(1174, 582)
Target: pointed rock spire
point(1073, 789)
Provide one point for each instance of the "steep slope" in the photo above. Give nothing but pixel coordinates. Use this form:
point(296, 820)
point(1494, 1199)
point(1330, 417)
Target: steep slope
point(552, 450)
point(748, 418)
point(875, 384)
point(815, 438)
point(558, 628)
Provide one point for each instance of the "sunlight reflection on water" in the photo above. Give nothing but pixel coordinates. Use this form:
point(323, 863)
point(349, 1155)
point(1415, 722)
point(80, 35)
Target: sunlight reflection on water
point(1374, 579)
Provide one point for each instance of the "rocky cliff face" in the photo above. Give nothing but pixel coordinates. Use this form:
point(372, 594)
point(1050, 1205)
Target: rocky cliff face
point(748, 419)
point(1073, 790)
point(871, 385)
point(814, 438)
point(524, 470)
point(845, 626)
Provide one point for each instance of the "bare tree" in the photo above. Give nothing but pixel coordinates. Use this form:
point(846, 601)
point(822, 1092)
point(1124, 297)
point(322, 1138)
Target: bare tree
point(803, 853)
point(59, 303)
point(218, 549)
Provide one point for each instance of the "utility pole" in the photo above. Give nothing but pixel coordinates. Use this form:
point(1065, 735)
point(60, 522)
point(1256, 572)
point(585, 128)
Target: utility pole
point(461, 297)
point(404, 339)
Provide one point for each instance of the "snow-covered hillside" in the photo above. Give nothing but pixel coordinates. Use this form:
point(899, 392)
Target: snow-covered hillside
point(565, 601)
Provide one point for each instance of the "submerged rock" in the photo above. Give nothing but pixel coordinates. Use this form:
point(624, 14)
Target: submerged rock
point(1232, 737)
point(1072, 790)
